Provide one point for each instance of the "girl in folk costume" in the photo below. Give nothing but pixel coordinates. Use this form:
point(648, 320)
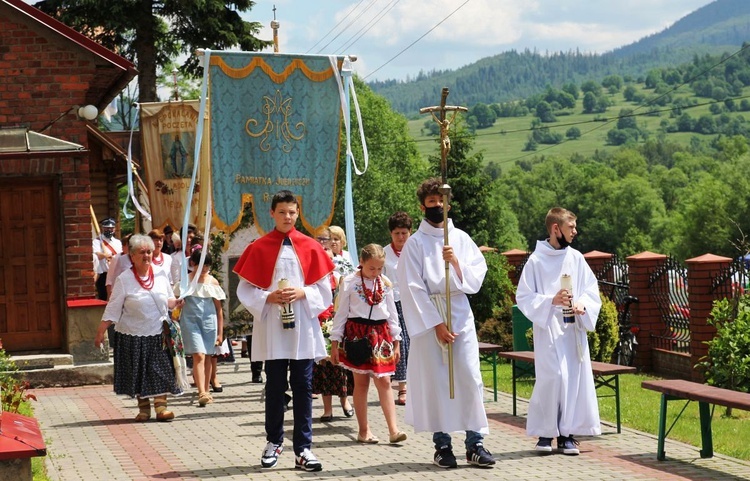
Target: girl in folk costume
point(365, 339)
point(202, 322)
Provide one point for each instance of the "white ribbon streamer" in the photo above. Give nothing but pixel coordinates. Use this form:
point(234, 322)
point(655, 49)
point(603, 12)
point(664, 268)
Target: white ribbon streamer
point(131, 191)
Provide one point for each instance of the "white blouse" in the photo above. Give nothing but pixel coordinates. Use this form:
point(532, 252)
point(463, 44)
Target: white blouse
point(352, 303)
point(135, 310)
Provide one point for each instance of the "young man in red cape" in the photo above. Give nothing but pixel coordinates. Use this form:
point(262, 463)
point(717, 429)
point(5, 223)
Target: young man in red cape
point(286, 270)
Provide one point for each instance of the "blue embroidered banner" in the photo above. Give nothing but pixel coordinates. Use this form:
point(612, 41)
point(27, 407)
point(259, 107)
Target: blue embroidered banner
point(275, 124)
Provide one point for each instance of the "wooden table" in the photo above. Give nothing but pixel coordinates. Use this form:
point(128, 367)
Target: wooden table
point(605, 375)
point(678, 389)
point(488, 352)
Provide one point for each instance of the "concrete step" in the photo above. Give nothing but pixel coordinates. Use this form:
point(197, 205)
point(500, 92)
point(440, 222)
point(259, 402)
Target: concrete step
point(41, 361)
point(68, 375)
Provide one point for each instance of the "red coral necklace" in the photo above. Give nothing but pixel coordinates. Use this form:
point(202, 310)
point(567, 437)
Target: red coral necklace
point(374, 296)
point(159, 261)
point(148, 284)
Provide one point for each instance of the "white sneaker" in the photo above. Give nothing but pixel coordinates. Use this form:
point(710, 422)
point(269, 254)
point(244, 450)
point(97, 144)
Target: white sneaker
point(271, 455)
point(307, 461)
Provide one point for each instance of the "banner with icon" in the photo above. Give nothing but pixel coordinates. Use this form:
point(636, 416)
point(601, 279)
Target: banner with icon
point(168, 133)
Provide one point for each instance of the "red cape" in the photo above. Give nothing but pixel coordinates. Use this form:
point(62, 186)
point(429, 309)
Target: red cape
point(257, 263)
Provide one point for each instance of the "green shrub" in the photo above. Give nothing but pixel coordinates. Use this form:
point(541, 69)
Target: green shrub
point(493, 304)
point(13, 391)
point(727, 364)
point(603, 340)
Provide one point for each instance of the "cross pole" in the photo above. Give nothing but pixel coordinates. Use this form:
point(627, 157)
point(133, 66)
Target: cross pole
point(445, 145)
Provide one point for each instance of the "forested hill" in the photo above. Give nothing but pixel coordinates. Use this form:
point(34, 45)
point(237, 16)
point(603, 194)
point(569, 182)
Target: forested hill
point(721, 26)
point(723, 23)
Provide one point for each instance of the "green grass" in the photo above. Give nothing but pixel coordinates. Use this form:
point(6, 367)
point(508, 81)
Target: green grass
point(640, 410)
point(503, 143)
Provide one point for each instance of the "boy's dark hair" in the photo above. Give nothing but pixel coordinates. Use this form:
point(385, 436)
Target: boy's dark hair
point(399, 220)
point(285, 196)
point(195, 258)
point(429, 187)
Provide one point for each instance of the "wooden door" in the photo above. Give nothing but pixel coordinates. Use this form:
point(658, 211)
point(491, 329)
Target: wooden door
point(30, 281)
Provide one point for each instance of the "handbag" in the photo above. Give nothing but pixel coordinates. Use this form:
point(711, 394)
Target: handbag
point(358, 351)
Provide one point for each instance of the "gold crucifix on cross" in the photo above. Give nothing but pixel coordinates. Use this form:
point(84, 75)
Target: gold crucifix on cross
point(445, 123)
point(439, 114)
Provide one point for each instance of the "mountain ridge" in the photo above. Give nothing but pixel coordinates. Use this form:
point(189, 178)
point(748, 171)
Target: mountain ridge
point(718, 27)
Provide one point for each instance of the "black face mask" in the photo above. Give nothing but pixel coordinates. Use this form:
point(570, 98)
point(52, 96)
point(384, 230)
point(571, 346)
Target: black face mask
point(434, 214)
point(562, 241)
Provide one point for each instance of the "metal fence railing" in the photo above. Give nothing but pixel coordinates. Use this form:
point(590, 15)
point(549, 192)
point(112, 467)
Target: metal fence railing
point(669, 287)
point(731, 280)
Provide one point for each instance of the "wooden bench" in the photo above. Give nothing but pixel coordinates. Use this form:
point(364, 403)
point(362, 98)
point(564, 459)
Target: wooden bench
point(605, 375)
point(20, 440)
point(678, 389)
point(488, 353)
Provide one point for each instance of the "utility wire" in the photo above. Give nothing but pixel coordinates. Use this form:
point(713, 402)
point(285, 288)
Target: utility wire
point(367, 27)
point(335, 26)
point(349, 25)
point(417, 40)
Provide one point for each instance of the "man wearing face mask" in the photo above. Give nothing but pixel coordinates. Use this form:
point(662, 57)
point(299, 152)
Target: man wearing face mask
point(106, 246)
point(563, 402)
point(421, 280)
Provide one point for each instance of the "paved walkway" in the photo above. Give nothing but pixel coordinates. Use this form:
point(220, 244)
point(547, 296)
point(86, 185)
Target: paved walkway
point(91, 437)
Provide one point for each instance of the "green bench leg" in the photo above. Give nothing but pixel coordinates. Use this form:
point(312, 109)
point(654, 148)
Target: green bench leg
point(494, 374)
point(513, 376)
point(706, 436)
point(662, 428)
point(617, 402)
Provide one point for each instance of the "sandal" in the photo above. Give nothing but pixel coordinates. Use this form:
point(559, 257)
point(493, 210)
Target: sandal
point(371, 439)
point(401, 400)
point(203, 399)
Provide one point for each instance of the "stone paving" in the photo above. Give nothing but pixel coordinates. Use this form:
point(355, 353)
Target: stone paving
point(91, 437)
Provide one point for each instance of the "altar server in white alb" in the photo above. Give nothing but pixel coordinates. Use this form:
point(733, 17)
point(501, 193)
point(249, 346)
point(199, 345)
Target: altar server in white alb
point(564, 402)
point(421, 280)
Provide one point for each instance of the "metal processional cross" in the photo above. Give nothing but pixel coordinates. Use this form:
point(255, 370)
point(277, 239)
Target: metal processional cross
point(439, 114)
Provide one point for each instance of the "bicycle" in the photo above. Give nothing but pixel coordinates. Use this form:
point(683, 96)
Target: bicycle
point(626, 345)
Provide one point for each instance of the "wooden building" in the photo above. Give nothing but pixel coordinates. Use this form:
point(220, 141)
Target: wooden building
point(51, 161)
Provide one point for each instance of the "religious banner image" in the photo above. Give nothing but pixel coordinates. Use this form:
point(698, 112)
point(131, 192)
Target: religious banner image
point(275, 124)
point(168, 130)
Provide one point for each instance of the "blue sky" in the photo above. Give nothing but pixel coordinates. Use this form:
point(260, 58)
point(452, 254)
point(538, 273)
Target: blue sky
point(480, 28)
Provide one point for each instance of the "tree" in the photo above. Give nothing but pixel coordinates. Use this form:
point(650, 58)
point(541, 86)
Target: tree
point(474, 207)
point(394, 172)
point(573, 133)
point(626, 119)
point(589, 102)
point(485, 115)
point(150, 33)
point(544, 112)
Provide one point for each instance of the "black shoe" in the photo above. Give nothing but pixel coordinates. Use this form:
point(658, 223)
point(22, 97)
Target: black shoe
point(444, 458)
point(287, 400)
point(479, 456)
point(217, 388)
point(326, 419)
point(257, 379)
point(568, 445)
point(544, 445)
